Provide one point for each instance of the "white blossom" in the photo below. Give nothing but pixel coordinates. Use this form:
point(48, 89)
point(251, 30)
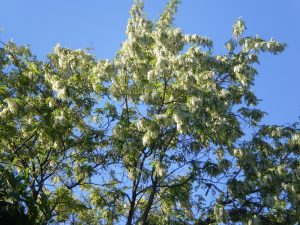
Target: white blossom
point(254, 221)
point(151, 75)
point(55, 144)
point(30, 120)
point(141, 125)
point(60, 119)
point(257, 45)
point(57, 48)
point(252, 57)
point(238, 68)
point(56, 84)
point(238, 28)
point(159, 169)
point(12, 106)
point(61, 93)
point(281, 170)
point(229, 45)
point(4, 113)
point(146, 138)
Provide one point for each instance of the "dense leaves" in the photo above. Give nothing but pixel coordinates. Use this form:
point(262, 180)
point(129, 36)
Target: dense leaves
point(155, 136)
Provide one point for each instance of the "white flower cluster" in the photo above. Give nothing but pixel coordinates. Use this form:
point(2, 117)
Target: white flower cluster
point(149, 136)
point(169, 40)
point(179, 119)
point(238, 68)
point(151, 75)
point(238, 152)
point(4, 113)
point(253, 58)
point(274, 46)
point(69, 59)
point(30, 120)
point(238, 28)
point(220, 213)
point(246, 45)
point(61, 93)
point(197, 39)
point(118, 132)
point(57, 48)
point(166, 18)
point(254, 221)
point(276, 133)
point(51, 103)
point(57, 86)
point(270, 46)
point(12, 106)
point(56, 144)
point(60, 119)
point(243, 74)
point(103, 70)
point(31, 76)
point(62, 58)
point(289, 188)
point(296, 138)
point(138, 30)
point(164, 120)
point(221, 58)
point(281, 170)
point(194, 103)
point(162, 62)
point(141, 125)
point(160, 170)
point(230, 46)
point(153, 96)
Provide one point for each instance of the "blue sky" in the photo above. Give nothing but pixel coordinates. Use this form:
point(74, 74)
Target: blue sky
point(101, 25)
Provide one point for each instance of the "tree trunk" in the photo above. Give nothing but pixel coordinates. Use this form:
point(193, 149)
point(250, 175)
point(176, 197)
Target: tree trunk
point(131, 211)
point(150, 202)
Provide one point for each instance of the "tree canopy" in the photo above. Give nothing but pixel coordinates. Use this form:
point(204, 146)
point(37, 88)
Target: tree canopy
point(155, 136)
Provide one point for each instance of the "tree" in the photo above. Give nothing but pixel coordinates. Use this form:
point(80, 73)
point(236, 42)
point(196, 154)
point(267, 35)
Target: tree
point(154, 136)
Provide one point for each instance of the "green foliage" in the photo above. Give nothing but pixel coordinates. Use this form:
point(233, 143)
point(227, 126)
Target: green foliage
point(154, 136)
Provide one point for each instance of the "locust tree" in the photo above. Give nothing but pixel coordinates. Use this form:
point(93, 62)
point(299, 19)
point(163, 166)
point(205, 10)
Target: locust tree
point(154, 136)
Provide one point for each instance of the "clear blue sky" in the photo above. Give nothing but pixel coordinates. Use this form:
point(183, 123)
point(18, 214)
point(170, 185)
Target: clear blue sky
point(101, 25)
